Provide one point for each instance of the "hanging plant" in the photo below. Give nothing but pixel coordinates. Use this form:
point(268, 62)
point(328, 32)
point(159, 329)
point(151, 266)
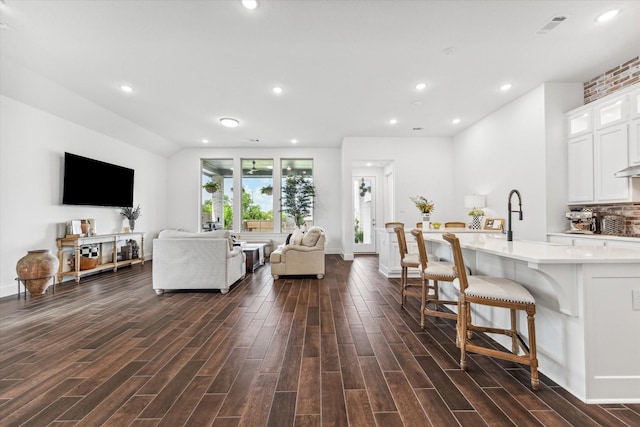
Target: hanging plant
point(211, 187)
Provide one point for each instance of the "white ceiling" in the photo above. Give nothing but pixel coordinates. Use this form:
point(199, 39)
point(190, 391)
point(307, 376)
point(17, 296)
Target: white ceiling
point(346, 66)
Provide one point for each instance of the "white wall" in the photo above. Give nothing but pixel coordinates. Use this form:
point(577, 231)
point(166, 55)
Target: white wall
point(32, 146)
point(520, 146)
point(185, 189)
point(421, 166)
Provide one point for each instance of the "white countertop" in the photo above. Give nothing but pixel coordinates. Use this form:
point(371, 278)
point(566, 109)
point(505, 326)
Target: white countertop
point(598, 237)
point(540, 252)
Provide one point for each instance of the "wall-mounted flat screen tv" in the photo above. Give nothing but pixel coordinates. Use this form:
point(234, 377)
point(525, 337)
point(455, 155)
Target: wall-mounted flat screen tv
point(95, 183)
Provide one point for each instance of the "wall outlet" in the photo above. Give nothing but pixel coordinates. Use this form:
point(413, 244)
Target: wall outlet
point(635, 294)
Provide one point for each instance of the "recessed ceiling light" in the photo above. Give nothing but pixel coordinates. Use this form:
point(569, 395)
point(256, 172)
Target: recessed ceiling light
point(421, 86)
point(277, 90)
point(607, 15)
point(205, 141)
point(369, 164)
point(126, 88)
point(455, 121)
point(393, 121)
point(505, 87)
point(229, 122)
point(294, 141)
point(250, 4)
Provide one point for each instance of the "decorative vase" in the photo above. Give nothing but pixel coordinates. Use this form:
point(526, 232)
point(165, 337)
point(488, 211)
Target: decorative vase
point(132, 224)
point(475, 222)
point(426, 221)
point(37, 270)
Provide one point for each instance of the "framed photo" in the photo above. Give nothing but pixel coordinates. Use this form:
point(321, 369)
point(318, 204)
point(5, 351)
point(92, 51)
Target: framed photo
point(494, 224)
point(76, 226)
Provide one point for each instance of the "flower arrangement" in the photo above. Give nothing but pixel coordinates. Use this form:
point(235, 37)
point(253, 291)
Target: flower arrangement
point(211, 186)
point(423, 204)
point(476, 212)
point(130, 212)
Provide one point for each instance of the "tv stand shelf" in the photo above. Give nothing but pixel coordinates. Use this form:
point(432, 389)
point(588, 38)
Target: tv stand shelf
point(101, 239)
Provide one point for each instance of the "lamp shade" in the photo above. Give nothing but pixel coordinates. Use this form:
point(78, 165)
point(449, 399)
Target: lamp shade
point(474, 201)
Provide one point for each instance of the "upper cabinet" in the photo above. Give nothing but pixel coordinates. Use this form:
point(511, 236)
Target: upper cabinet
point(603, 137)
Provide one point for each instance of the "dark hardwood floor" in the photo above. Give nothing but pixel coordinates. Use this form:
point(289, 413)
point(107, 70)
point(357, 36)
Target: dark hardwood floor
point(299, 351)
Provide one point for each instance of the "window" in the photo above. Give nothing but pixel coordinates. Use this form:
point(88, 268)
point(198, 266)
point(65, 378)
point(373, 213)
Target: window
point(217, 194)
point(297, 193)
point(261, 191)
point(257, 195)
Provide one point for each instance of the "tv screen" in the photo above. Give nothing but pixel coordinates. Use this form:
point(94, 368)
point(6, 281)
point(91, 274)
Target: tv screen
point(95, 183)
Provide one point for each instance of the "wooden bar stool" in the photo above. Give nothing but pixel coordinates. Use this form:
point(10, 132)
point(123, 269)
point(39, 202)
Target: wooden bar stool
point(407, 261)
point(393, 224)
point(432, 271)
point(493, 292)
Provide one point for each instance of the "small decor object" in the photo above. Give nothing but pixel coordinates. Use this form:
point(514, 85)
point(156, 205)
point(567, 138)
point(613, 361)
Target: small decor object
point(131, 214)
point(436, 225)
point(425, 206)
point(476, 223)
point(37, 270)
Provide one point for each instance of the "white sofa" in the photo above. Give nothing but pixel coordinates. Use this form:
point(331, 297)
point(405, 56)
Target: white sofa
point(185, 260)
point(304, 254)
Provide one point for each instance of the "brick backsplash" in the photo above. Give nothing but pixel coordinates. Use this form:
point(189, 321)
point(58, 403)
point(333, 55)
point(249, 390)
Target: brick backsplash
point(630, 212)
point(612, 80)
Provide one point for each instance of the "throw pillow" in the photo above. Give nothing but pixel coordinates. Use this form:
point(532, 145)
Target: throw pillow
point(296, 237)
point(288, 239)
point(311, 236)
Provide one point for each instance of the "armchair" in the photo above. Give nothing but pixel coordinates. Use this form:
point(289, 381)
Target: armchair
point(304, 254)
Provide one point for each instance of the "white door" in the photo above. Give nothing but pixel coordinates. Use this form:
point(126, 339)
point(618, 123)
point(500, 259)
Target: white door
point(364, 214)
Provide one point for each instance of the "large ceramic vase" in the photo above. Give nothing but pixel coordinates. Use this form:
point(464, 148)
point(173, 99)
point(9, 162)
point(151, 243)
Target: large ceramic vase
point(37, 270)
point(476, 222)
point(426, 221)
point(132, 224)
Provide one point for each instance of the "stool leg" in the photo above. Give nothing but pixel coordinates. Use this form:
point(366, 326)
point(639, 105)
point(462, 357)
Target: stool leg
point(462, 335)
point(535, 382)
point(423, 304)
point(514, 333)
point(402, 285)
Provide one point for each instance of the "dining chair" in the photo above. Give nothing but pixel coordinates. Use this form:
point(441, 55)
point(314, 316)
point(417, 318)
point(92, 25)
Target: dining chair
point(493, 292)
point(455, 224)
point(431, 273)
point(393, 224)
point(407, 261)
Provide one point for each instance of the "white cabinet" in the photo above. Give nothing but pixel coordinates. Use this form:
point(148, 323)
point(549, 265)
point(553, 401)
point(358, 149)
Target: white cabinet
point(580, 168)
point(634, 141)
point(610, 156)
point(603, 138)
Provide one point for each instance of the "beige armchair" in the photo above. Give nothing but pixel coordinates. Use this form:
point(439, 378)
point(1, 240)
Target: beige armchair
point(304, 254)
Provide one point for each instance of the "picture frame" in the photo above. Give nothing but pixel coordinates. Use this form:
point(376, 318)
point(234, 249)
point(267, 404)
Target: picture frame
point(76, 226)
point(493, 224)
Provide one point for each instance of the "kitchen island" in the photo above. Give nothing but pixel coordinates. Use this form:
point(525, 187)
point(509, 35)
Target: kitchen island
point(588, 334)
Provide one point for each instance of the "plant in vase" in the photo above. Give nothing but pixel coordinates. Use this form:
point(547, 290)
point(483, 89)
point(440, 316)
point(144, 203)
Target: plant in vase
point(424, 205)
point(131, 214)
point(475, 221)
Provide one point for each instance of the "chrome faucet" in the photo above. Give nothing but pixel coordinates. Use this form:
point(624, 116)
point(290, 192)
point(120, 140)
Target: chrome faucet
point(509, 231)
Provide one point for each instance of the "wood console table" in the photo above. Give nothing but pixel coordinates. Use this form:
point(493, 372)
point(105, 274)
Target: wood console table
point(102, 239)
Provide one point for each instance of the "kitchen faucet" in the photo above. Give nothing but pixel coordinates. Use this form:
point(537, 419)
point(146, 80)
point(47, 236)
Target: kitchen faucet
point(509, 231)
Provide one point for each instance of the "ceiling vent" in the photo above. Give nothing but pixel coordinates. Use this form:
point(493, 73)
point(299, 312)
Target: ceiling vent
point(551, 24)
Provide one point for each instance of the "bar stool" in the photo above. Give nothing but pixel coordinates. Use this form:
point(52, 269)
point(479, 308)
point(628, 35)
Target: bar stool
point(493, 292)
point(407, 261)
point(455, 224)
point(432, 271)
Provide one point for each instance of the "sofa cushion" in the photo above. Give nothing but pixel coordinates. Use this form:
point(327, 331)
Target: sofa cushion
point(296, 237)
point(311, 237)
point(179, 234)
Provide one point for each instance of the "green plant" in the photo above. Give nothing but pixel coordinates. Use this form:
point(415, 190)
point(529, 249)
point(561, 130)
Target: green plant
point(298, 196)
point(267, 189)
point(423, 204)
point(358, 235)
point(211, 186)
point(130, 212)
point(474, 212)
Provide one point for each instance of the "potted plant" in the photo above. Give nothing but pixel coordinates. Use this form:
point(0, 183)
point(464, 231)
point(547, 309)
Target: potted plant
point(267, 189)
point(298, 196)
point(131, 214)
point(211, 186)
point(424, 205)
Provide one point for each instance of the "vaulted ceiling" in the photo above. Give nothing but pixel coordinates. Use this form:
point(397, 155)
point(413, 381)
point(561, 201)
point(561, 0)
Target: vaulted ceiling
point(345, 67)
